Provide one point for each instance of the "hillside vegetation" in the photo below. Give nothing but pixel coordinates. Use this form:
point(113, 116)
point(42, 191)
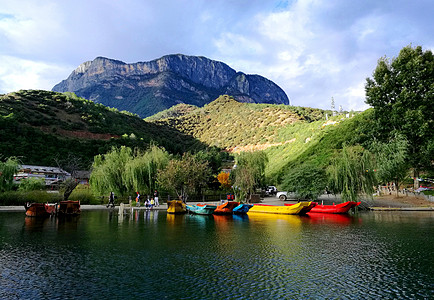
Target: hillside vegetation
point(287, 134)
point(38, 126)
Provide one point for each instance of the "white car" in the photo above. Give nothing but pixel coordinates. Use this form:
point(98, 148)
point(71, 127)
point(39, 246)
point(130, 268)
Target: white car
point(286, 195)
point(282, 195)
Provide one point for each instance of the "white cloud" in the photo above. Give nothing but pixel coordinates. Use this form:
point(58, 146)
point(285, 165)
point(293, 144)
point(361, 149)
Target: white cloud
point(16, 74)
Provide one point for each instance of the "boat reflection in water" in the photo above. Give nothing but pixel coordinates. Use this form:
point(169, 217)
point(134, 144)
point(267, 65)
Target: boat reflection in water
point(325, 218)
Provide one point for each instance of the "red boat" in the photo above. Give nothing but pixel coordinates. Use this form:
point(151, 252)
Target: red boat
point(341, 208)
point(69, 208)
point(40, 209)
point(226, 208)
point(305, 209)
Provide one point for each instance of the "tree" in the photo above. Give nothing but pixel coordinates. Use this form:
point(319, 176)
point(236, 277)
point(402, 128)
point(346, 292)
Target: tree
point(249, 173)
point(402, 95)
point(391, 158)
point(141, 171)
point(8, 169)
point(224, 180)
point(122, 171)
point(108, 169)
point(352, 173)
point(307, 180)
point(184, 176)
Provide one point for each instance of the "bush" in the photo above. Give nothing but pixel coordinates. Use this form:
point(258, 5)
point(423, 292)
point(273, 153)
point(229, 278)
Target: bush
point(85, 196)
point(307, 181)
point(21, 197)
point(32, 184)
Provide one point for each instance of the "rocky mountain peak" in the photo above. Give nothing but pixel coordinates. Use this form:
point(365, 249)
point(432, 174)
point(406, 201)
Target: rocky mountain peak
point(148, 87)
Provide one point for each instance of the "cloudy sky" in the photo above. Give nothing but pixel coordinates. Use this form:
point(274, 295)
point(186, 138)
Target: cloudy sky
point(313, 49)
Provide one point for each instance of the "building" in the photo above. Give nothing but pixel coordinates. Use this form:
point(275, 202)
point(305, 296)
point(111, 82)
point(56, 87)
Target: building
point(51, 175)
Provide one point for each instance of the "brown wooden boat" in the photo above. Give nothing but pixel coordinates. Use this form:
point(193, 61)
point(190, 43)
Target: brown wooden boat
point(40, 209)
point(69, 208)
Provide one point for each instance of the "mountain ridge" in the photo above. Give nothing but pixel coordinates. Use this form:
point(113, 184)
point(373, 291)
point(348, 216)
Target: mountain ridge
point(145, 88)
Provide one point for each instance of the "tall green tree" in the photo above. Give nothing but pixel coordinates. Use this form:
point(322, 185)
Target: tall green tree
point(108, 171)
point(401, 91)
point(352, 173)
point(249, 173)
point(141, 171)
point(8, 168)
point(184, 176)
point(123, 171)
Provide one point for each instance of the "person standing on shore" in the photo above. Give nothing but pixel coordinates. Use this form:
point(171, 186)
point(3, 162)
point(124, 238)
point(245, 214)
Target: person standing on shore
point(111, 200)
point(138, 199)
point(156, 199)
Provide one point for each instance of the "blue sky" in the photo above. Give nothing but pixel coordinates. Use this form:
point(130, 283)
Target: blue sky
point(314, 50)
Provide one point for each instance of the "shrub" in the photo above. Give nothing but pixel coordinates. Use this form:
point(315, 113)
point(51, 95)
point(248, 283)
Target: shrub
point(32, 184)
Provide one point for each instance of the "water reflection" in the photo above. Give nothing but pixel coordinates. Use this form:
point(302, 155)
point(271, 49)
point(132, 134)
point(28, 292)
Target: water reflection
point(367, 256)
point(342, 219)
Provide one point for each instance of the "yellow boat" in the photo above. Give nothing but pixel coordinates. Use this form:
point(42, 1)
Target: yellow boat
point(176, 207)
point(277, 209)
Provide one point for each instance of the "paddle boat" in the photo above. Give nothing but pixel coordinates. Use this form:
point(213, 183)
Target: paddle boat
point(176, 207)
point(40, 209)
point(305, 209)
point(201, 209)
point(69, 208)
point(226, 208)
point(280, 209)
point(242, 208)
point(341, 208)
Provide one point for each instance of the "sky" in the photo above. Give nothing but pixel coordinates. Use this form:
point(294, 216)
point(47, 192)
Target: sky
point(315, 50)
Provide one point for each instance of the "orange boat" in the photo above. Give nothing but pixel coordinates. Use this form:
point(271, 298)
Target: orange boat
point(40, 209)
point(69, 208)
point(226, 208)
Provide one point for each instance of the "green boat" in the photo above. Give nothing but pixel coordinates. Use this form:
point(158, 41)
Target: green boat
point(201, 209)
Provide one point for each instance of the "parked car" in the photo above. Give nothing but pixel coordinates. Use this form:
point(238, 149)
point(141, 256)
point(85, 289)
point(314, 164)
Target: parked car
point(271, 190)
point(282, 195)
point(286, 195)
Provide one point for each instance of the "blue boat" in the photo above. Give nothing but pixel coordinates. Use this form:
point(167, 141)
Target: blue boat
point(201, 209)
point(242, 208)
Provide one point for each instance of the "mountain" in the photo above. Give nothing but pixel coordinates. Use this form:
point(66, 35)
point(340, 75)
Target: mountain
point(42, 126)
point(145, 88)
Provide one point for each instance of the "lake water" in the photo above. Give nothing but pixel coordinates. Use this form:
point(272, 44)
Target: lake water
point(374, 255)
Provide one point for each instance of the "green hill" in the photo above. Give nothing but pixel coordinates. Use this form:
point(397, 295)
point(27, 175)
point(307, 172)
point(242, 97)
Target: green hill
point(40, 126)
point(287, 134)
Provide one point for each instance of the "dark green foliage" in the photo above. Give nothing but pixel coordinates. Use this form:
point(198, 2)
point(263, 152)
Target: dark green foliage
point(8, 169)
point(32, 184)
point(40, 126)
point(352, 173)
point(401, 91)
point(184, 176)
point(21, 197)
point(307, 180)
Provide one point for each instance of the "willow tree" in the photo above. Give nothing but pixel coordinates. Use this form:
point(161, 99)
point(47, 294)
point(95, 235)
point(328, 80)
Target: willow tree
point(352, 173)
point(141, 171)
point(8, 169)
point(108, 169)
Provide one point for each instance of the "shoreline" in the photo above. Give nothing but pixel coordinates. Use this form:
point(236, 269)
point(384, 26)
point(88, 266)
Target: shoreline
point(378, 203)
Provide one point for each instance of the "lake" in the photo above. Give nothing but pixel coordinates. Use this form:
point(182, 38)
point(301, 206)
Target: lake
point(372, 255)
